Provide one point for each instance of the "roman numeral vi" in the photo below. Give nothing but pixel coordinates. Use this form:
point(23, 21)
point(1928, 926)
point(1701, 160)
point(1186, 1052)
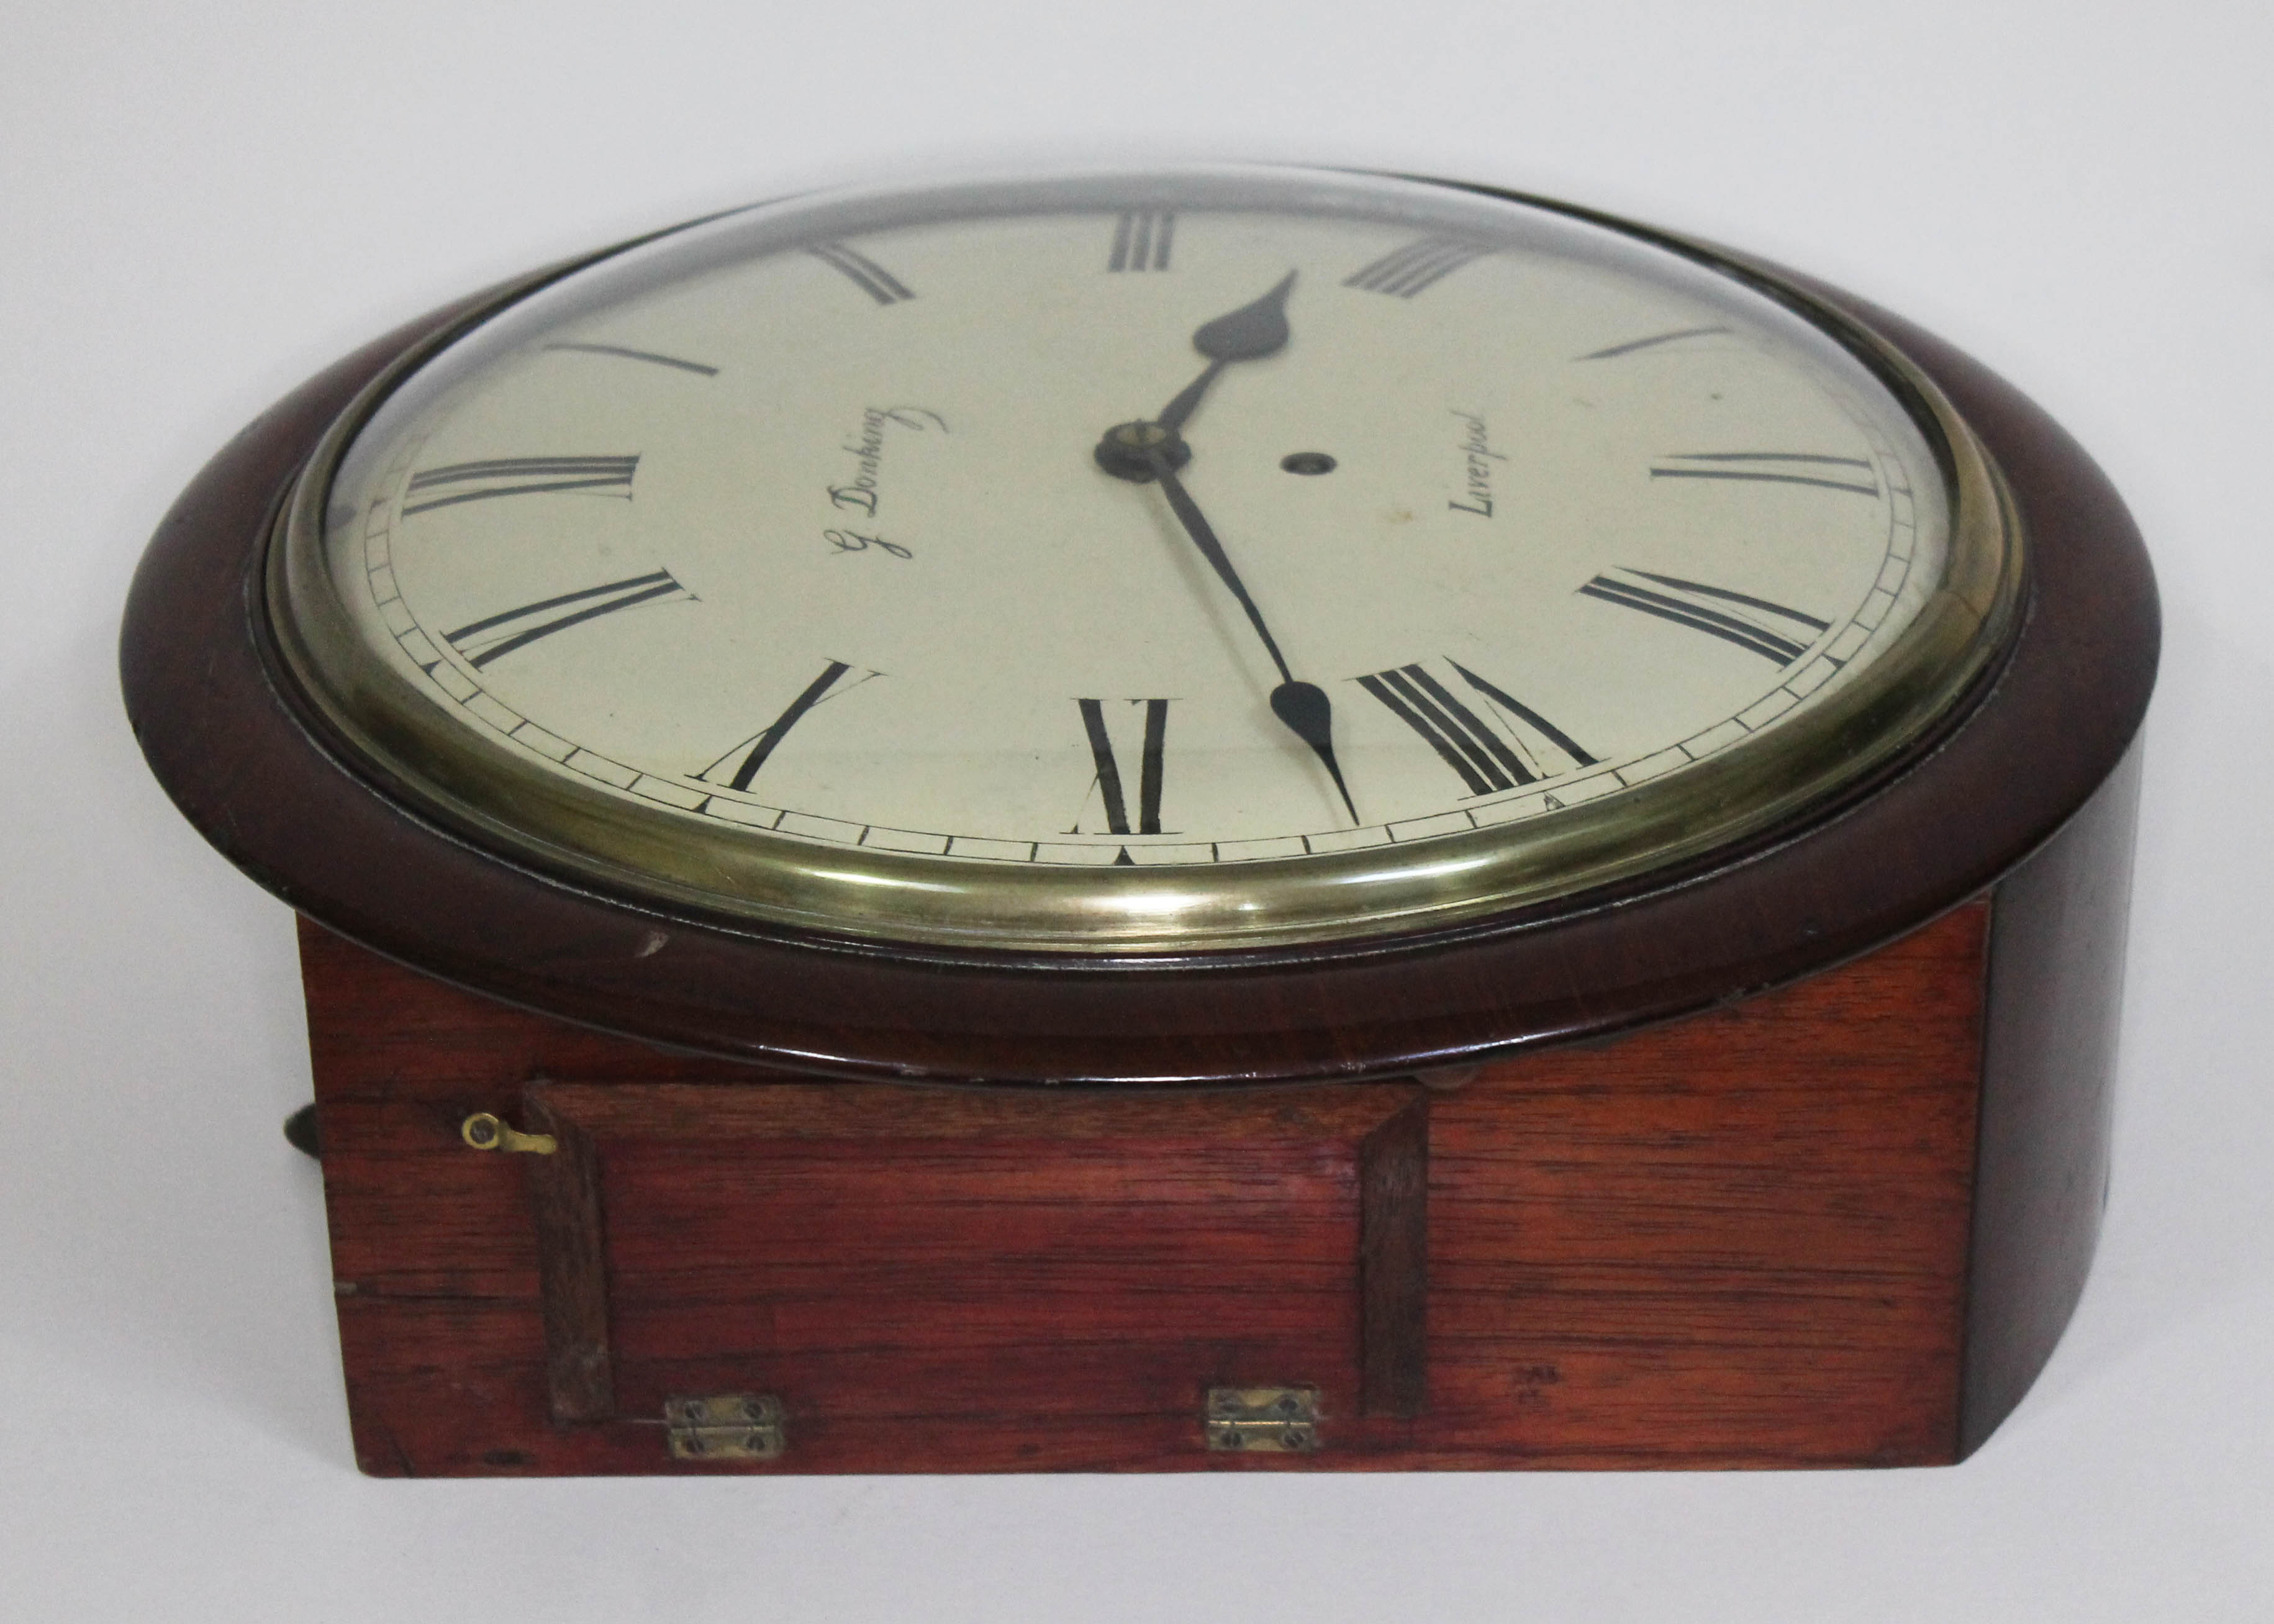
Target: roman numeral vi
point(1111, 787)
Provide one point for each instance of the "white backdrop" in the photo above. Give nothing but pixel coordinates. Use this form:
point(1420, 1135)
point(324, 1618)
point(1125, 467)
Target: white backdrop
point(201, 205)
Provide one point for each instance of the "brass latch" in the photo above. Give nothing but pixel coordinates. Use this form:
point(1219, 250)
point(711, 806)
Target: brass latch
point(485, 1132)
point(728, 1426)
point(1263, 1420)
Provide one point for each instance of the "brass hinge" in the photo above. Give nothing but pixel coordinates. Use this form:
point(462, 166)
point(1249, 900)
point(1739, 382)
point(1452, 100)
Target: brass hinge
point(727, 1426)
point(1262, 1420)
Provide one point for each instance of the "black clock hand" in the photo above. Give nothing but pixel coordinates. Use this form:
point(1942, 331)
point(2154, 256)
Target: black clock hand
point(1303, 707)
point(1155, 450)
point(1255, 330)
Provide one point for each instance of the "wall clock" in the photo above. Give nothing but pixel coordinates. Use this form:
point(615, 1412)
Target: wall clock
point(1218, 818)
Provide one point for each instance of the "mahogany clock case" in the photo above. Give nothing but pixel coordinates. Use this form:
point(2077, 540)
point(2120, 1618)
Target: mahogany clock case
point(1972, 1261)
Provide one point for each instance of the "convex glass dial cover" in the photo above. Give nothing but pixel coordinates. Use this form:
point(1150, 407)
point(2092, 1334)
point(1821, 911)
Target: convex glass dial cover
point(1140, 563)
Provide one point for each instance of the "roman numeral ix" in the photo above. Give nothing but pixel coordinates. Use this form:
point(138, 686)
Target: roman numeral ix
point(1488, 757)
point(1769, 630)
point(481, 641)
point(863, 272)
point(1774, 467)
point(1417, 266)
point(751, 753)
point(519, 476)
point(1110, 786)
point(1141, 239)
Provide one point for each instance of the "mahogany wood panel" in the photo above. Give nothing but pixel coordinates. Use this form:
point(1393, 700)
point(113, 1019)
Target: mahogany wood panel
point(1739, 1239)
point(794, 1223)
point(991, 1287)
point(254, 774)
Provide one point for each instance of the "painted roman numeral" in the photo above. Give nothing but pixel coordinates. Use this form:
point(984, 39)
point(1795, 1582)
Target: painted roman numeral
point(1418, 265)
point(496, 636)
point(1110, 787)
point(1496, 750)
point(751, 753)
point(863, 272)
point(1652, 343)
point(519, 476)
point(1831, 473)
point(623, 354)
point(1769, 630)
point(1141, 239)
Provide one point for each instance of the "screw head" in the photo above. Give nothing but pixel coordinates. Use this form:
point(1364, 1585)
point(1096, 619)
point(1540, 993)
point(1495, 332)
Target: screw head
point(1127, 449)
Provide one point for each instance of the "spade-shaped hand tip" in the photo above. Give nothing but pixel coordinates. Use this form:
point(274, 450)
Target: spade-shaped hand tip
point(1305, 708)
point(1255, 329)
point(1310, 716)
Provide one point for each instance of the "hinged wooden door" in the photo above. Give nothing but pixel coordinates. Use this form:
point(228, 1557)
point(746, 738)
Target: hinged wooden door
point(938, 1281)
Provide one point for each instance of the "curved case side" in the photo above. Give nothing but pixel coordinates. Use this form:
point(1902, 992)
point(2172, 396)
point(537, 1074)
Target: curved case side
point(2041, 1173)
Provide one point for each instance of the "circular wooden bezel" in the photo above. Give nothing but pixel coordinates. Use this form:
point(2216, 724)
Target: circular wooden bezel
point(252, 766)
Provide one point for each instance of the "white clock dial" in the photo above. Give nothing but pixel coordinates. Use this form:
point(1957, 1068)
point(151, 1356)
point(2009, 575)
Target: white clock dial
point(1227, 519)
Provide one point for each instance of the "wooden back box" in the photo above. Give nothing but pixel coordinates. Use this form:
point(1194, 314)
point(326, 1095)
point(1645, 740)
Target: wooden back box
point(1839, 1223)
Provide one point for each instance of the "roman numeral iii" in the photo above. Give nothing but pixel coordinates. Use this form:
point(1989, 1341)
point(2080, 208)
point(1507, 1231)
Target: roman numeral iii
point(751, 753)
point(1492, 741)
point(1854, 474)
point(518, 476)
point(496, 636)
point(1769, 630)
point(1417, 266)
point(1111, 788)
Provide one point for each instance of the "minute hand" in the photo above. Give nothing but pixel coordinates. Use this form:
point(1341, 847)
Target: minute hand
point(1303, 707)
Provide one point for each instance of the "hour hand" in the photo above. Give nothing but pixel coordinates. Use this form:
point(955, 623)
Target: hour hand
point(1255, 330)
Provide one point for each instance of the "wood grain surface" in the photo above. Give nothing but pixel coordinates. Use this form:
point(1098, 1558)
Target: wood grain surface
point(1736, 1240)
